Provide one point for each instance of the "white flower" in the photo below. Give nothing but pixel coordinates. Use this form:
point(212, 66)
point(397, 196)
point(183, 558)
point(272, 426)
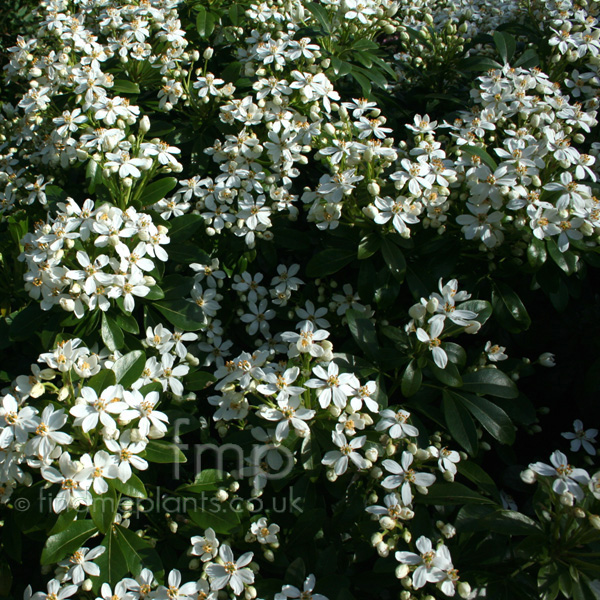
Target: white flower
point(232, 573)
point(290, 591)
point(436, 326)
point(338, 459)
point(144, 409)
point(568, 479)
point(98, 408)
point(80, 564)
point(206, 547)
point(581, 437)
point(396, 422)
point(333, 386)
point(495, 353)
point(126, 454)
point(265, 534)
point(74, 480)
point(403, 475)
point(288, 413)
point(431, 564)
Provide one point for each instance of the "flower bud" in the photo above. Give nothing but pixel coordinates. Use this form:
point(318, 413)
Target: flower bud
point(547, 359)
point(417, 311)
point(567, 499)
point(402, 571)
point(387, 522)
point(463, 589)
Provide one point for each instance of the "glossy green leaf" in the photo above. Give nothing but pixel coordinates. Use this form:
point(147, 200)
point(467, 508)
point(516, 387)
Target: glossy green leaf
point(411, 379)
point(111, 333)
point(129, 368)
point(208, 480)
point(460, 424)
point(60, 545)
point(157, 190)
point(448, 376)
point(451, 493)
point(158, 451)
point(101, 380)
point(363, 332)
point(198, 380)
point(320, 14)
point(184, 227)
point(505, 45)
point(205, 22)
point(493, 419)
point(122, 86)
point(482, 154)
point(567, 261)
point(329, 261)
point(393, 257)
point(536, 253)
point(112, 563)
point(220, 516)
point(493, 382)
point(133, 487)
point(185, 314)
point(103, 509)
point(138, 553)
point(509, 309)
point(368, 246)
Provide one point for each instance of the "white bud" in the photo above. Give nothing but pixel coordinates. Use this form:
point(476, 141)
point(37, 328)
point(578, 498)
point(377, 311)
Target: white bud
point(208, 53)
point(387, 523)
point(547, 359)
point(528, 476)
point(402, 571)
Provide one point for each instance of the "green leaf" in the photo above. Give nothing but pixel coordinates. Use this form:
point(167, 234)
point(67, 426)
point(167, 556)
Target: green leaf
point(490, 381)
point(536, 253)
point(138, 553)
point(329, 261)
point(460, 424)
point(184, 227)
point(494, 420)
point(205, 22)
point(310, 454)
point(112, 563)
point(364, 44)
point(158, 451)
point(411, 379)
point(567, 261)
point(157, 190)
point(208, 480)
point(451, 493)
point(155, 293)
point(509, 309)
point(528, 59)
point(510, 522)
point(101, 380)
point(198, 380)
point(473, 472)
point(67, 541)
point(482, 307)
point(478, 63)
point(340, 67)
point(103, 509)
point(122, 86)
point(111, 333)
point(185, 314)
point(128, 368)
point(133, 487)
point(363, 81)
point(27, 322)
point(394, 259)
point(482, 154)
point(220, 516)
point(320, 15)
point(363, 332)
point(448, 376)
point(505, 44)
point(368, 246)
point(127, 323)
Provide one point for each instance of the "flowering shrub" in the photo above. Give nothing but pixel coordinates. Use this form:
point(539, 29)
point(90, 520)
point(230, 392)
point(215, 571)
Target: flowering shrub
point(258, 262)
